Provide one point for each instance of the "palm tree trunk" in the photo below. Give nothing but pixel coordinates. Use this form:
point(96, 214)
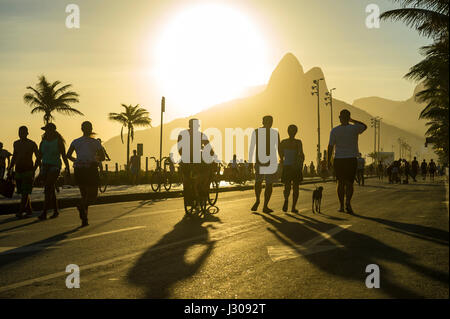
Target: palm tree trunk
point(128, 150)
point(46, 118)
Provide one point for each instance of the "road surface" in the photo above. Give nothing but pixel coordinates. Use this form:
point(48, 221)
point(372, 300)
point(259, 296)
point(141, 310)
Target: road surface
point(150, 250)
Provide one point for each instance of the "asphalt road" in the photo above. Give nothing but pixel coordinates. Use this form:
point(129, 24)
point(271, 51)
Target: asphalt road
point(150, 250)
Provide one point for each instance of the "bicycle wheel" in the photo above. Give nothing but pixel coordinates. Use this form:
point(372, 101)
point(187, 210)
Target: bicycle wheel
point(167, 182)
point(202, 203)
point(103, 183)
point(213, 193)
point(155, 180)
point(102, 188)
point(189, 207)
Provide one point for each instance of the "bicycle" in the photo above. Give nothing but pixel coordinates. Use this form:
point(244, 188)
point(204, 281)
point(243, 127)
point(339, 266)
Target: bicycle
point(160, 176)
point(196, 198)
point(213, 193)
point(103, 179)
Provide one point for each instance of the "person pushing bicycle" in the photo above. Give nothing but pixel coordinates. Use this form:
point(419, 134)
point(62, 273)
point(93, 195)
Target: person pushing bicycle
point(194, 147)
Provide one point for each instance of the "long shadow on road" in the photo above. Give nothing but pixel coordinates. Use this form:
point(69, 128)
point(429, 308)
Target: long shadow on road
point(350, 262)
point(418, 231)
point(27, 252)
point(164, 264)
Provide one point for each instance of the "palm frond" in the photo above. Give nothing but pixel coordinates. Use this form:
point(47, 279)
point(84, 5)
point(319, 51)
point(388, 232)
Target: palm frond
point(428, 23)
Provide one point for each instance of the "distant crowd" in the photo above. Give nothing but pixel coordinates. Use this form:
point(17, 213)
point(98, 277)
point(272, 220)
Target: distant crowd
point(400, 171)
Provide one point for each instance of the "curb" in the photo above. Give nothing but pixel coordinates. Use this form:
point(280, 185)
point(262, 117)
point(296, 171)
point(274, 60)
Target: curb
point(12, 208)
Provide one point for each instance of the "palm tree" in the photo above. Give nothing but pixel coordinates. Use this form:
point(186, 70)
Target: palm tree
point(46, 98)
point(133, 116)
point(430, 18)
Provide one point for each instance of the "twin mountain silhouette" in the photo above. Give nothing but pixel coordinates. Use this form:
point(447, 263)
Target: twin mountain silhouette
point(287, 97)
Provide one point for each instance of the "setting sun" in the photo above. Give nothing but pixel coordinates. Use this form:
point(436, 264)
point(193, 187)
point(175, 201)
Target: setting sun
point(209, 54)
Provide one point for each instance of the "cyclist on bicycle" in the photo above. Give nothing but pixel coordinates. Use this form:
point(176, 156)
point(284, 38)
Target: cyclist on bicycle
point(192, 144)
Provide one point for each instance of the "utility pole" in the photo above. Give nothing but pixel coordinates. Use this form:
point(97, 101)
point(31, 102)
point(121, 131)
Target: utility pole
point(400, 146)
point(163, 109)
point(329, 101)
point(375, 123)
point(379, 130)
point(316, 90)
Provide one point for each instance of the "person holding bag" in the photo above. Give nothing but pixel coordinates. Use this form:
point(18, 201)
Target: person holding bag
point(51, 149)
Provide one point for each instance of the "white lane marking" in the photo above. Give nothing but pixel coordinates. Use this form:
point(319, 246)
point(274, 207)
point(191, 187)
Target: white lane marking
point(55, 244)
point(284, 252)
point(102, 234)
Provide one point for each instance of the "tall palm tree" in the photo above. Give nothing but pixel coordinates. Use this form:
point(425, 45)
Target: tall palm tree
point(430, 18)
point(133, 116)
point(45, 98)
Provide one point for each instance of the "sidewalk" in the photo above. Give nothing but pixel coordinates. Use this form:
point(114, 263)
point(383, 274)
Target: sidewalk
point(69, 196)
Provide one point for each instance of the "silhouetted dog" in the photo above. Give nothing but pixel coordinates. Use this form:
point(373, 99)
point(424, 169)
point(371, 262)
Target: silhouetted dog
point(317, 199)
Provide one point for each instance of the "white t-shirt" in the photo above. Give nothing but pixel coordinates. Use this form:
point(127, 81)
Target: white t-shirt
point(86, 149)
point(345, 138)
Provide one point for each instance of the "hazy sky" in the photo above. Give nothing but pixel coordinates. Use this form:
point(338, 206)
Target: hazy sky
point(134, 52)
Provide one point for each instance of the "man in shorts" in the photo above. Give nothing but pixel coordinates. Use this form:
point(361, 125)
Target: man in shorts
point(268, 139)
point(292, 158)
point(25, 169)
point(344, 141)
point(4, 155)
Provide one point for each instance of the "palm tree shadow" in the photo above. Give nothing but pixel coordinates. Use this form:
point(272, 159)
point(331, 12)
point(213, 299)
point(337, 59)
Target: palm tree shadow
point(350, 261)
point(164, 263)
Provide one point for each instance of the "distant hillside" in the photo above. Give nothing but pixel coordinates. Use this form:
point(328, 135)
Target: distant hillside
point(403, 114)
point(288, 99)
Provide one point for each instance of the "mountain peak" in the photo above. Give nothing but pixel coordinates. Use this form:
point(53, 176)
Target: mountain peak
point(288, 70)
point(315, 73)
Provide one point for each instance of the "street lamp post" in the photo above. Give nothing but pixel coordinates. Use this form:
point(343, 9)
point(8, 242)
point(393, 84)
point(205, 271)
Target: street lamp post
point(316, 90)
point(329, 101)
point(163, 109)
point(375, 123)
point(379, 130)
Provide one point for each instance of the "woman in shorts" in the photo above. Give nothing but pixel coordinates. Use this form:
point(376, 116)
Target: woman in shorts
point(51, 149)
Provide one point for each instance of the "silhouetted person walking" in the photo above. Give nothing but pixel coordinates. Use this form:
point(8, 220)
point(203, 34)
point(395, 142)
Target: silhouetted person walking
point(344, 141)
point(264, 140)
point(380, 170)
point(406, 170)
point(414, 168)
point(135, 163)
point(89, 153)
point(312, 169)
point(51, 149)
point(4, 156)
point(25, 169)
point(424, 169)
point(292, 158)
point(360, 170)
point(432, 169)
